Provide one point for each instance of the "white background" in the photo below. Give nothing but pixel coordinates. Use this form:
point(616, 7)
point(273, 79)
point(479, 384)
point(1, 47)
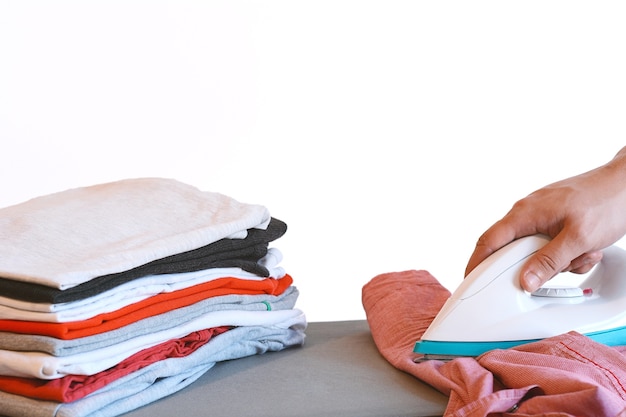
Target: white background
point(387, 134)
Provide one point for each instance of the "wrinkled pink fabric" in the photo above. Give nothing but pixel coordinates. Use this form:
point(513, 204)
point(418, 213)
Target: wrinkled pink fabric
point(566, 375)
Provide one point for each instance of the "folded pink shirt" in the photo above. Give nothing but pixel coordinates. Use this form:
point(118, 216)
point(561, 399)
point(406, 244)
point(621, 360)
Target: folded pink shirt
point(566, 375)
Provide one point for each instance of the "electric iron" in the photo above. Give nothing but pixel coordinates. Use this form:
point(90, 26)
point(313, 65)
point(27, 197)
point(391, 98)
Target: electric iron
point(490, 310)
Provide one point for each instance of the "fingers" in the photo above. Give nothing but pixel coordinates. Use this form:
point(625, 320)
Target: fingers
point(542, 266)
point(481, 252)
point(584, 262)
point(522, 220)
point(496, 237)
point(558, 255)
point(561, 254)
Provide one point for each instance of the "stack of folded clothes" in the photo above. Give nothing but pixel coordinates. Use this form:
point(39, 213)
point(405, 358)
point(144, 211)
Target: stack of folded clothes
point(115, 295)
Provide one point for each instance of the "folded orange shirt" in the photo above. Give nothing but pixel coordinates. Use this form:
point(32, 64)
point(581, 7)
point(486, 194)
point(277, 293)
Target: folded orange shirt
point(149, 307)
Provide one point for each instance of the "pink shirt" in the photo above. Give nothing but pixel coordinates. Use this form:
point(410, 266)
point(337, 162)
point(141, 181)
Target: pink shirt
point(566, 375)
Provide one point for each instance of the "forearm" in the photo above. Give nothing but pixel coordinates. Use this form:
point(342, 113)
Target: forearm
point(612, 175)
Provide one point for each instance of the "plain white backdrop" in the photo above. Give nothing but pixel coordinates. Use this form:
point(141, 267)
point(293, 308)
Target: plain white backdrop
point(387, 134)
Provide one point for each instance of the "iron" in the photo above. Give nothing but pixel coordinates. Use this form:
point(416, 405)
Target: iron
point(490, 310)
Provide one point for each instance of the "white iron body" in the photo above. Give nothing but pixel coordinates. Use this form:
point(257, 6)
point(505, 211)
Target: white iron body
point(491, 310)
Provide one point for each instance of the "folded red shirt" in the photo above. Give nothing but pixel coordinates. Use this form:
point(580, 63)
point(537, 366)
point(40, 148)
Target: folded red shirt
point(74, 387)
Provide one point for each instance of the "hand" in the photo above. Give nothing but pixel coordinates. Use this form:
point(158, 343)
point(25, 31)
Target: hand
point(582, 214)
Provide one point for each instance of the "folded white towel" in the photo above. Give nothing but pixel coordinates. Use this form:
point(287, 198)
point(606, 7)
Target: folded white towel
point(65, 239)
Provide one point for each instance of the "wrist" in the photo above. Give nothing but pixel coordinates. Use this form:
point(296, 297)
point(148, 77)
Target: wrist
point(617, 165)
point(621, 155)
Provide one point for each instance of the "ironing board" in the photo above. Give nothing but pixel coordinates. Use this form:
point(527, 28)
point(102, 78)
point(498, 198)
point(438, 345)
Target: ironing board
point(339, 372)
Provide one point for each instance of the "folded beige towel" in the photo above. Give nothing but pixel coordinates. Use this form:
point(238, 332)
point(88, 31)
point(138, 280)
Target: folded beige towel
point(67, 238)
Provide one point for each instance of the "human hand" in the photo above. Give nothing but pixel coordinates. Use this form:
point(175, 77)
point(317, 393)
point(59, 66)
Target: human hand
point(582, 214)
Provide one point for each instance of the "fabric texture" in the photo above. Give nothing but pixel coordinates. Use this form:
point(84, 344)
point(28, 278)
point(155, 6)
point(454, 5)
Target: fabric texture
point(49, 240)
point(44, 366)
point(74, 387)
point(152, 306)
point(246, 253)
point(566, 375)
point(115, 295)
point(159, 322)
point(164, 377)
point(123, 295)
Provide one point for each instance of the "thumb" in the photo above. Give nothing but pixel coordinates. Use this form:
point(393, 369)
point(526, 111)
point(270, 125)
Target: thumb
point(542, 266)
